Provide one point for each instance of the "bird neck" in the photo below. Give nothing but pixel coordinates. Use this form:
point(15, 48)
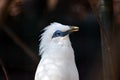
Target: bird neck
point(61, 50)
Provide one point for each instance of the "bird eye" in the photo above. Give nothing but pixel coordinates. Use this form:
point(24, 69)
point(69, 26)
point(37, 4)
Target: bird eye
point(57, 33)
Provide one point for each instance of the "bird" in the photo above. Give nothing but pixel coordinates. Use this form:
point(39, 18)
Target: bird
point(57, 55)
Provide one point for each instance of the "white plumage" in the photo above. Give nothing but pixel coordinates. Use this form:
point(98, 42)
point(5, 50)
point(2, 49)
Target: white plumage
point(57, 62)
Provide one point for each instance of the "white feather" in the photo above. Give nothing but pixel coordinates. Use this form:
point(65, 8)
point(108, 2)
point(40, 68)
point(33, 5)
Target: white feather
point(57, 62)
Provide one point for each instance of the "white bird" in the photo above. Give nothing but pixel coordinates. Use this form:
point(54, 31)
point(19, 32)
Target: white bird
point(57, 55)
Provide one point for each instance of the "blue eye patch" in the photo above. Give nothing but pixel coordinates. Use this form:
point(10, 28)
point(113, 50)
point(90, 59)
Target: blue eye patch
point(59, 33)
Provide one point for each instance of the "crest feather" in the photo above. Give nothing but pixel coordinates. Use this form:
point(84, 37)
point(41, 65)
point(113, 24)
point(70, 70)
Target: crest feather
point(46, 36)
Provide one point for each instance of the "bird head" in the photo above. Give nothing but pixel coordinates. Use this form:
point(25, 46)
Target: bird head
point(55, 33)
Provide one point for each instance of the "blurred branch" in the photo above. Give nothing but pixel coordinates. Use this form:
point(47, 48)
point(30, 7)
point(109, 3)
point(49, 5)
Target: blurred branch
point(4, 6)
point(18, 41)
point(103, 11)
point(116, 36)
point(4, 70)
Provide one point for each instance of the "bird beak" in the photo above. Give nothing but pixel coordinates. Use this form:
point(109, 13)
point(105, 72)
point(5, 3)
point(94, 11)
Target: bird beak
point(74, 29)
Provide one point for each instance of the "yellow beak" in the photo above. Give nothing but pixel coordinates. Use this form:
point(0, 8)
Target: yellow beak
point(74, 29)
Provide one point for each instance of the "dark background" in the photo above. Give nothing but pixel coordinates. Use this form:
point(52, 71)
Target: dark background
point(27, 18)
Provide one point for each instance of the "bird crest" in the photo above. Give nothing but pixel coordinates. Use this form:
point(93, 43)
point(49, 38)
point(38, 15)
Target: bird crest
point(46, 36)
